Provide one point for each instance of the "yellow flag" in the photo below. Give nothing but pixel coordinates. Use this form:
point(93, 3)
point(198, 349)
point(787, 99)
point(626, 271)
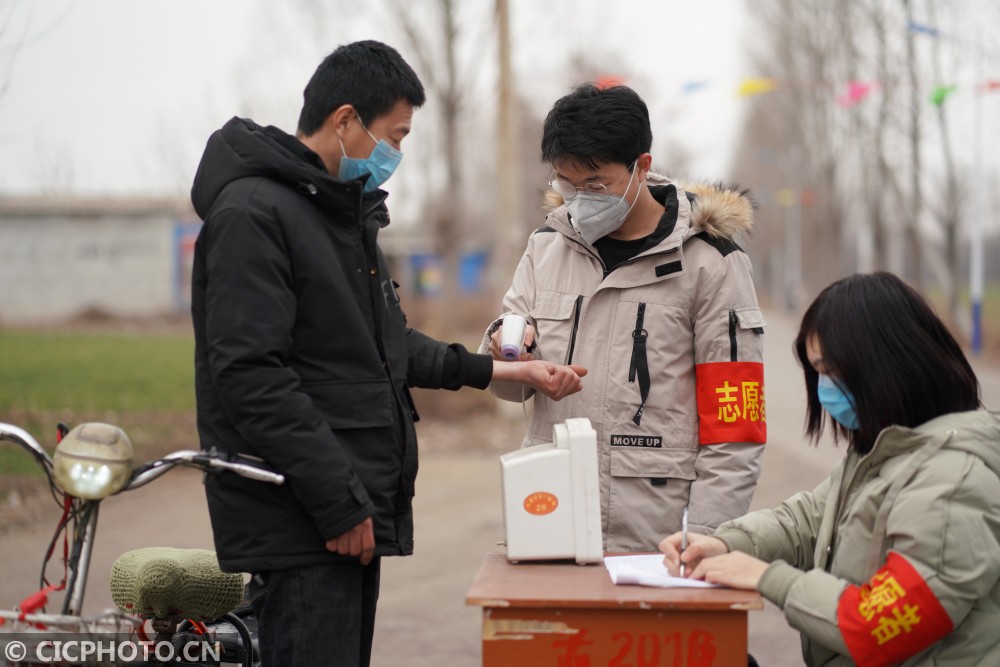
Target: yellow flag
point(757, 86)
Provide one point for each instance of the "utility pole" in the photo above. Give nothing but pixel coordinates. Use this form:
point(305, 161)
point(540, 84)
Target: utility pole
point(790, 198)
point(915, 264)
point(508, 233)
point(792, 202)
point(979, 205)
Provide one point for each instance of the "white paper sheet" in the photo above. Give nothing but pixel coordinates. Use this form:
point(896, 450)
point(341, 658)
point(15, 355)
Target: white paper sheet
point(647, 570)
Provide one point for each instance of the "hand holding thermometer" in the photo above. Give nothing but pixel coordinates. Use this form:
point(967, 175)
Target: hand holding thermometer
point(512, 336)
point(684, 536)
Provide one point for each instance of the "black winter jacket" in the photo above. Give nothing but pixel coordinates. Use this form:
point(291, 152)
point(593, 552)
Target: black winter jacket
point(302, 354)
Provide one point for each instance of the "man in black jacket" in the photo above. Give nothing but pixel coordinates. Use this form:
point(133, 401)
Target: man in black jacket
point(303, 358)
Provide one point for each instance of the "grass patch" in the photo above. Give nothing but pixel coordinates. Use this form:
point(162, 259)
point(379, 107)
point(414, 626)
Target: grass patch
point(143, 383)
point(88, 372)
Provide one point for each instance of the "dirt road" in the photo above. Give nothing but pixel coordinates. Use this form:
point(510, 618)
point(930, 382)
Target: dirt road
point(423, 620)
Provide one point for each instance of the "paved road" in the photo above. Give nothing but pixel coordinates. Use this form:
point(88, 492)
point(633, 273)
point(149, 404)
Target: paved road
point(423, 621)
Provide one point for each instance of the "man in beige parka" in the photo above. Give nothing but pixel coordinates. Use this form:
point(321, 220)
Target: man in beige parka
point(643, 283)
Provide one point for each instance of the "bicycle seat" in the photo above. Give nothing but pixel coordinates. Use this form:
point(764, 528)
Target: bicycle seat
point(162, 581)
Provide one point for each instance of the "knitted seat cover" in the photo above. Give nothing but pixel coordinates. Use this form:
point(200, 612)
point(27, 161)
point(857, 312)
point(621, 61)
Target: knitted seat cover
point(163, 581)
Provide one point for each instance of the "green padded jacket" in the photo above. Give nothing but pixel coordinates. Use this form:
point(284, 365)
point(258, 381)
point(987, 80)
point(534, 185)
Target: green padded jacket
point(894, 558)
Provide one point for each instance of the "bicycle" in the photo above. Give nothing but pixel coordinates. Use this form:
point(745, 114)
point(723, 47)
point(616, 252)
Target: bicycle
point(192, 606)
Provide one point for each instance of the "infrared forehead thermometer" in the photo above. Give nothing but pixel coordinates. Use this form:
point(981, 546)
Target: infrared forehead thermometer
point(512, 336)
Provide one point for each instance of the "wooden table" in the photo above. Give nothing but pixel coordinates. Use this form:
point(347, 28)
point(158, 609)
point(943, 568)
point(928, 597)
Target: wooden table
point(567, 615)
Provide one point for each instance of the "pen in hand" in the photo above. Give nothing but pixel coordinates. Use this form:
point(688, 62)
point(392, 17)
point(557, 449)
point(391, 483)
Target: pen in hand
point(684, 536)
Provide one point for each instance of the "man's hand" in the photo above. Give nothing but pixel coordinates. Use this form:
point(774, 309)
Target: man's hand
point(553, 380)
point(529, 338)
point(358, 541)
point(699, 547)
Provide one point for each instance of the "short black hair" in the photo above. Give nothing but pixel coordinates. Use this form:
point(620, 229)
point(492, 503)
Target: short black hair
point(882, 341)
point(369, 75)
point(593, 126)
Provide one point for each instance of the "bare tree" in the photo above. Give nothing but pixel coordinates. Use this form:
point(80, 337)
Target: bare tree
point(791, 142)
point(10, 52)
point(55, 175)
point(948, 209)
point(889, 213)
point(441, 78)
point(21, 35)
point(437, 41)
point(915, 247)
point(880, 176)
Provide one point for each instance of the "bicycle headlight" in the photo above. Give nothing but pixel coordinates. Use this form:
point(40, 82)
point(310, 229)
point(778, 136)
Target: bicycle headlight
point(93, 461)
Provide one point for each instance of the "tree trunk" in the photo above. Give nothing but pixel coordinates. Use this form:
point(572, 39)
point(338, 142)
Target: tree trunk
point(914, 249)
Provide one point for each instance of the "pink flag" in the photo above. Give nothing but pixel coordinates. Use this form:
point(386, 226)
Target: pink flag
point(856, 91)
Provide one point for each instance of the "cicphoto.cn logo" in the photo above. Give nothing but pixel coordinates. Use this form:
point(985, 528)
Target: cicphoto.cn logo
point(39, 650)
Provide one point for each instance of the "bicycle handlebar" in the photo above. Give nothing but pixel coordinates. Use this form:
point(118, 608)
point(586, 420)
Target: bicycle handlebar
point(17, 435)
point(146, 473)
point(250, 472)
point(203, 461)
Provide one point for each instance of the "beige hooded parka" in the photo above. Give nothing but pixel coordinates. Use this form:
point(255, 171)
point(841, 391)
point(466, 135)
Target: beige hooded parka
point(686, 305)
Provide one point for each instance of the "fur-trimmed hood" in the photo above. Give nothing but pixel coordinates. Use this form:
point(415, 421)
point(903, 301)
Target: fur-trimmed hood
point(721, 210)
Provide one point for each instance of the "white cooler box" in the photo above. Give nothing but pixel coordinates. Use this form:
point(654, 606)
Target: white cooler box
point(551, 499)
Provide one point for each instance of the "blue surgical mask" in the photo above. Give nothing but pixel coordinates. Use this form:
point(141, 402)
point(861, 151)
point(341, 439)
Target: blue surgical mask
point(378, 166)
point(838, 402)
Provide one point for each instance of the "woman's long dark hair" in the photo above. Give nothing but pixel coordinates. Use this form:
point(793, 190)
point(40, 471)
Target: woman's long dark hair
point(884, 344)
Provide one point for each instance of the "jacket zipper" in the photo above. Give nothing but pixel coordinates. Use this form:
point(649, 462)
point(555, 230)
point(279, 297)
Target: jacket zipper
point(733, 323)
point(370, 245)
point(576, 325)
point(374, 287)
point(846, 483)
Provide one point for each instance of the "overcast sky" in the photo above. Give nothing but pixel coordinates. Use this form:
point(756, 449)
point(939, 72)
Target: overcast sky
point(119, 96)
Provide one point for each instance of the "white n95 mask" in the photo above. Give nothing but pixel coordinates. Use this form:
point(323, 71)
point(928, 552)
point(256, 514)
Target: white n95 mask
point(595, 217)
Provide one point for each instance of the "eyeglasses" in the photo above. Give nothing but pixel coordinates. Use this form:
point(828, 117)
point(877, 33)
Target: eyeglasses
point(598, 191)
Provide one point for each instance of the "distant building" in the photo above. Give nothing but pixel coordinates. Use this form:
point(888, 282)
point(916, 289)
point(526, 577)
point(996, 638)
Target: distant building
point(63, 257)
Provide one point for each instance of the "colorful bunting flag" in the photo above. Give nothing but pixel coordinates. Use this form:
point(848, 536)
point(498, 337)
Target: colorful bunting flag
point(856, 91)
point(609, 81)
point(924, 29)
point(853, 92)
point(785, 197)
point(693, 86)
point(756, 86)
point(940, 93)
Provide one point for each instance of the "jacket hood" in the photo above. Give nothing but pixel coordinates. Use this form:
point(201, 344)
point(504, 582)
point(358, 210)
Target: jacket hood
point(976, 432)
point(242, 149)
point(723, 211)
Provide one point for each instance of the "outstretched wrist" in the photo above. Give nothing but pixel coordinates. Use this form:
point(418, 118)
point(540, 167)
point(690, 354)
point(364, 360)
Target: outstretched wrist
point(509, 371)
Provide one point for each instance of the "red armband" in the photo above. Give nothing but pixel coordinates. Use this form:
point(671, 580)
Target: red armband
point(892, 617)
point(731, 402)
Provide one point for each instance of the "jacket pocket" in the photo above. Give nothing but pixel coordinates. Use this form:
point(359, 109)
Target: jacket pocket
point(354, 403)
point(746, 329)
point(653, 462)
point(557, 317)
point(648, 491)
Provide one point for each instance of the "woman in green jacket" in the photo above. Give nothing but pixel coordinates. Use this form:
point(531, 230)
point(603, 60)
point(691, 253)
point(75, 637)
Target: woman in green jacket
point(894, 558)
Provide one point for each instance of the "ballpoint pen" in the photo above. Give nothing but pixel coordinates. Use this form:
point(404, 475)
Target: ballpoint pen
point(684, 536)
